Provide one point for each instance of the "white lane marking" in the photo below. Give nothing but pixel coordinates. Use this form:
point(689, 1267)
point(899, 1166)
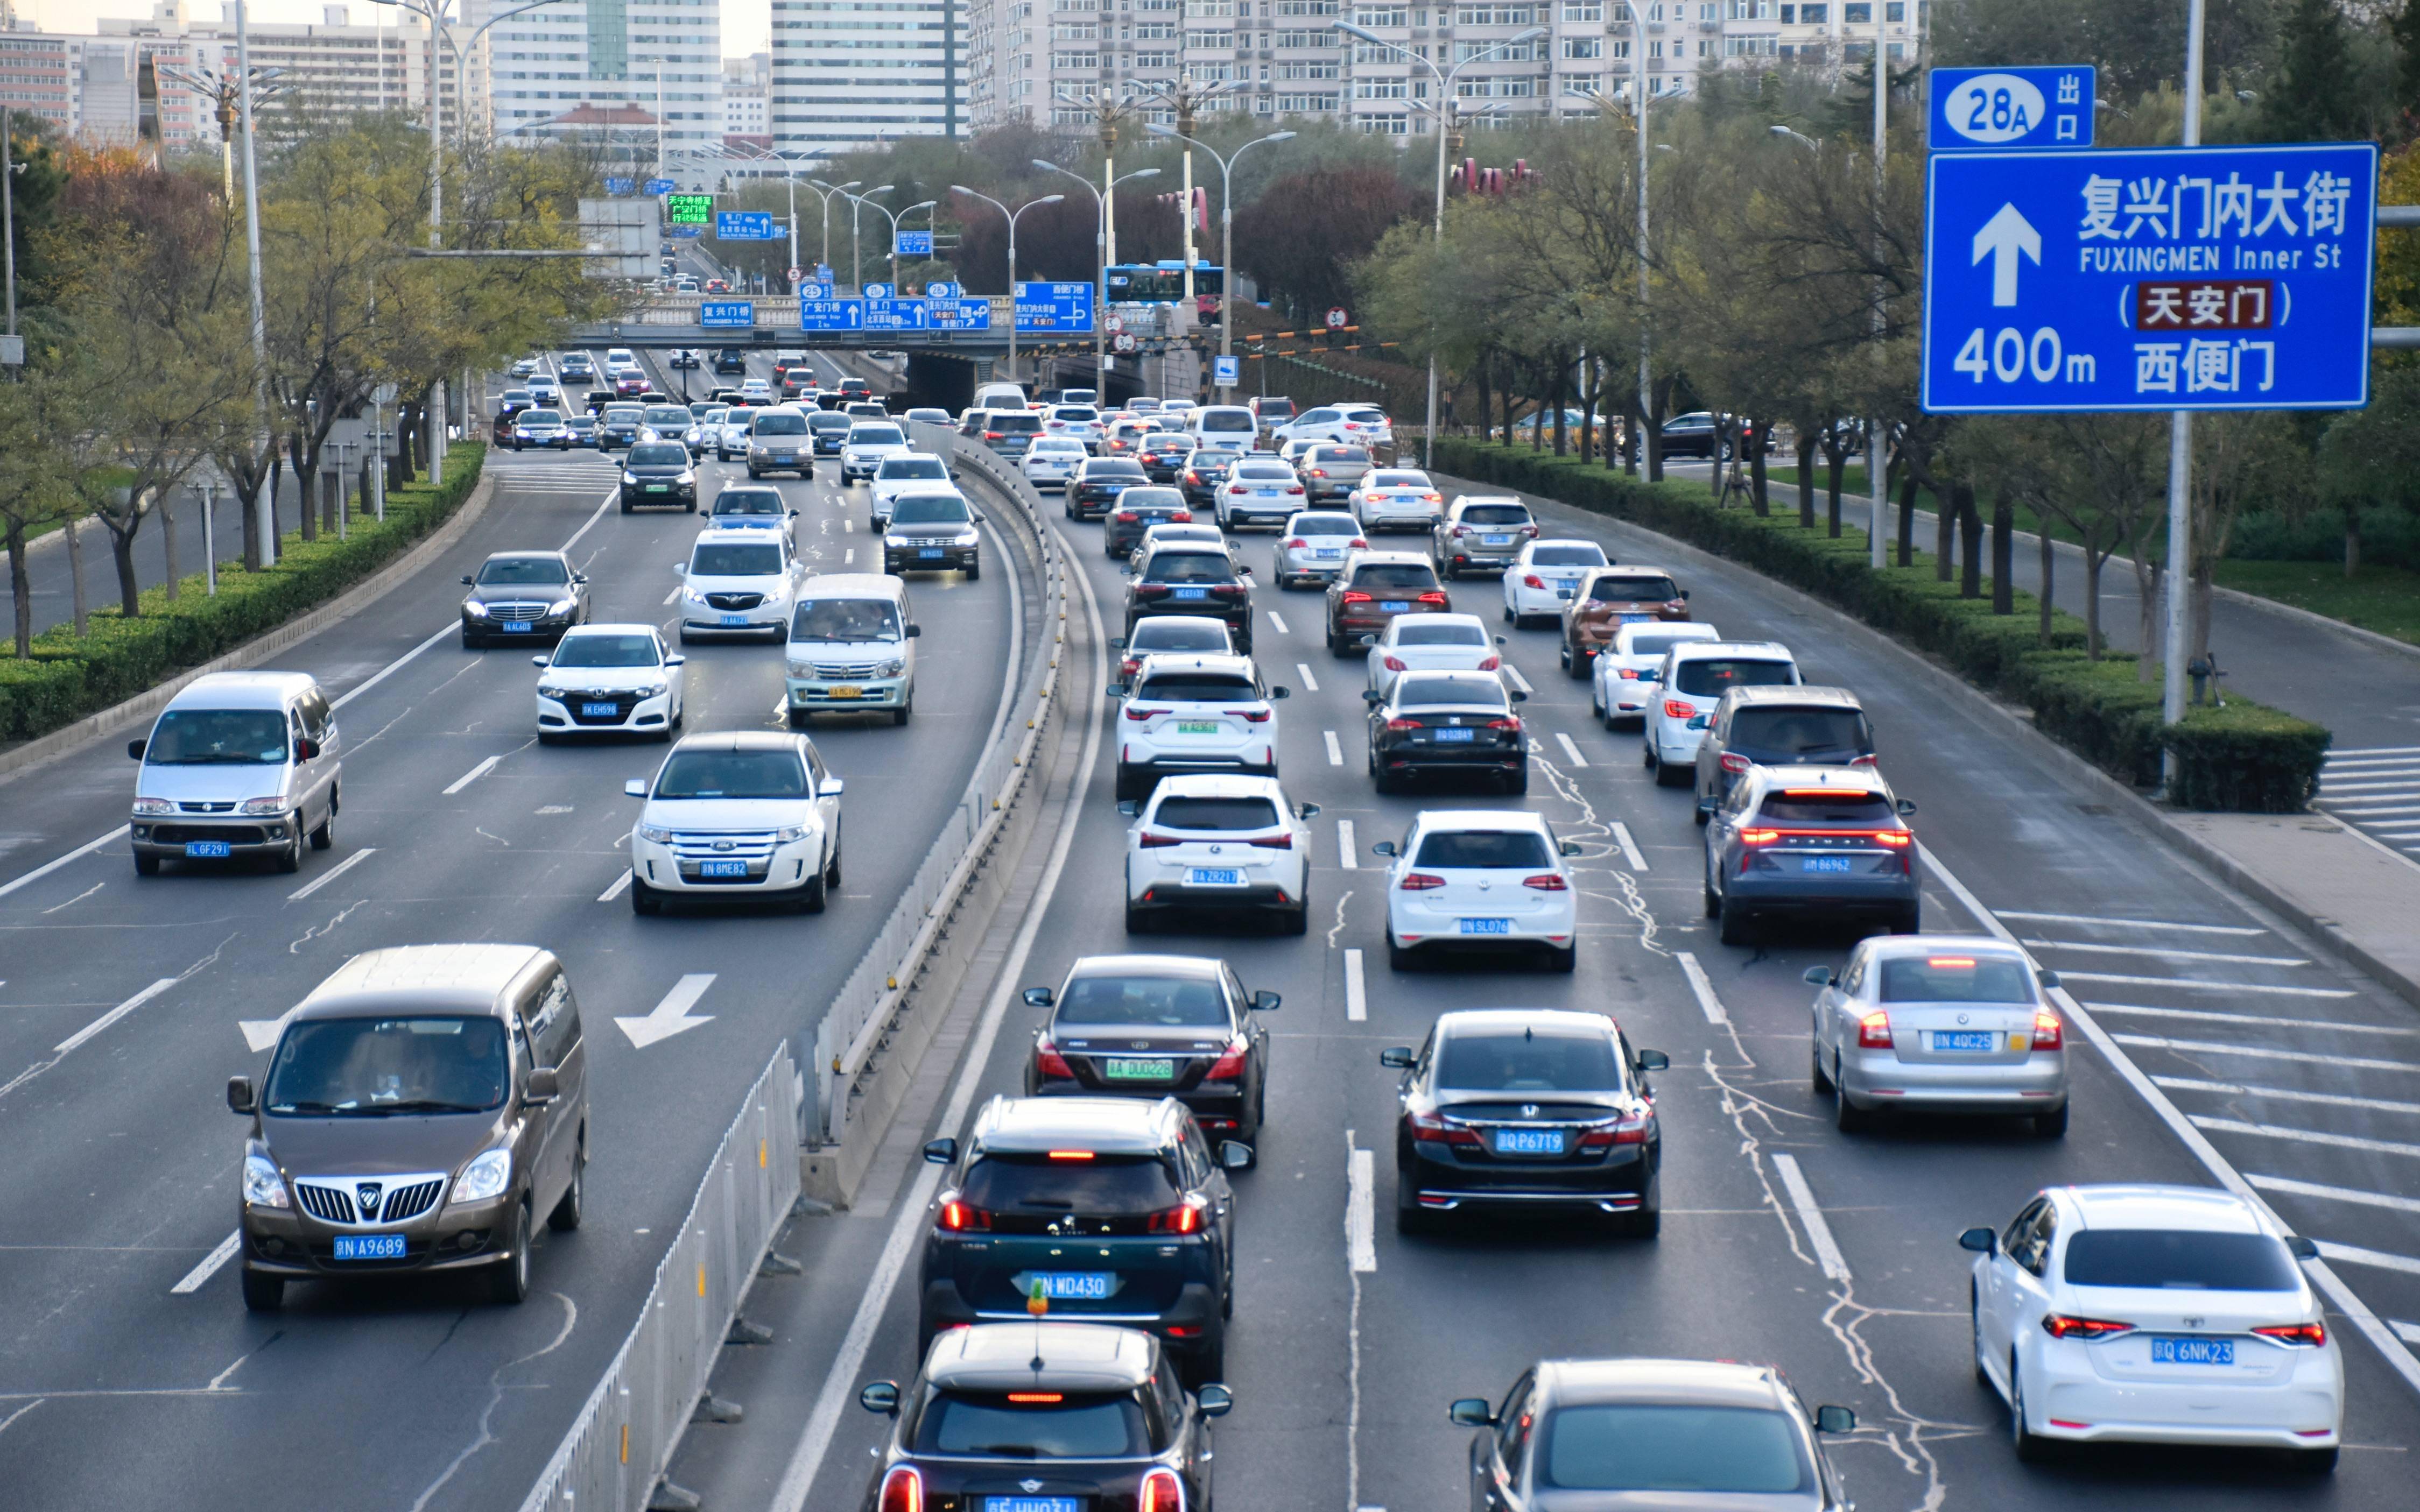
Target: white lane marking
point(210, 1266)
point(848, 556)
point(781, 701)
point(2339, 1100)
point(1335, 752)
point(1520, 683)
point(1309, 684)
point(2130, 923)
point(114, 1015)
point(473, 774)
point(1570, 750)
point(77, 854)
point(2402, 1361)
point(2306, 1136)
point(331, 874)
point(1361, 1208)
point(2213, 1017)
point(1819, 1233)
point(1279, 619)
point(2394, 785)
point(2332, 1194)
point(2375, 750)
point(391, 667)
point(2196, 985)
point(2410, 1334)
point(2367, 810)
point(1629, 847)
point(1356, 992)
point(674, 593)
point(2220, 1047)
point(621, 885)
point(849, 527)
point(1353, 1360)
point(1348, 853)
point(1704, 987)
point(2355, 1254)
point(2161, 953)
point(671, 1015)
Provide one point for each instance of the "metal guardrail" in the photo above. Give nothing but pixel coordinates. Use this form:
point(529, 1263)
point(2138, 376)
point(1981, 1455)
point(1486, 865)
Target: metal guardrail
point(625, 1435)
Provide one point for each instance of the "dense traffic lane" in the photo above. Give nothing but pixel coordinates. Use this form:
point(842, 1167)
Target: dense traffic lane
point(118, 1390)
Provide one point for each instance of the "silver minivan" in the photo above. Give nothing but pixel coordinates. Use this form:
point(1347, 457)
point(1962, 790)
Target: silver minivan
point(238, 765)
point(852, 647)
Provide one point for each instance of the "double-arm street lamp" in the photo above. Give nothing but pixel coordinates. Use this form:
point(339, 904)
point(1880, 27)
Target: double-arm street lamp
point(856, 243)
point(440, 16)
point(1011, 215)
point(1101, 252)
point(1226, 223)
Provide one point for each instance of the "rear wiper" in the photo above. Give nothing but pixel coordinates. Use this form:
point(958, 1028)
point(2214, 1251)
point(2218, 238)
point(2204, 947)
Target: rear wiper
point(1023, 1451)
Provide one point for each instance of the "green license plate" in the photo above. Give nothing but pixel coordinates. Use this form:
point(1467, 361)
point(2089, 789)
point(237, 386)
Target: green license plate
point(1118, 1068)
point(1198, 727)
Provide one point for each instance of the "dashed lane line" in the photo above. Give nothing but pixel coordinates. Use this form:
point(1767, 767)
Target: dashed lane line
point(1356, 994)
point(331, 874)
point(1819, 1233)
point(210, 1266)
point(1309, 684)
point(473, 774)
point(1571, 752)
point(1279, 619)
point(2207, 1015)
point(2284, 1094)
point(2220, 1047)
point(1360, 1210)
point(2332, 1194)
point(2197, 985)
point(2306, 1136)
point(1629, 847)
point(2355, 1254)
point(1335, 752)
point(621, 885)
point(1704, 988)
point(2163, 953)
point(1348, 853)
point(2103, 921)
point(114, 1015)
point(1520, 683)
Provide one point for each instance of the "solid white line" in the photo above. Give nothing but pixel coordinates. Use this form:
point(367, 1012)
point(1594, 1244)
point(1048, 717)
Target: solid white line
point(1629, 847)
point(2306, 1136)
point(114, 1015)
point(2161, 953)
point(2409, 1333)
point(2220, 1047)
point(77, 854)
point(2338, 1099)
point(391, 667)
point(1309, 684)
point(2332, 1194)
point(1699, 984)
point(1335, 752)
point(621, 885)
point(210, 1266)
point(2344, 810)
point(674, 593)
point(1570, 750)
point(2354, 1254)
point(1819, 1233)
point(2211, 1016)
point(331, 874)
point(2377, 750)
point(1356, 993)
point(2130, 923)
point(1279, 619)
point(1348, 853)
point(1361, 1209)
point(2199, 986)
point(1520, 683)
point(473, 774)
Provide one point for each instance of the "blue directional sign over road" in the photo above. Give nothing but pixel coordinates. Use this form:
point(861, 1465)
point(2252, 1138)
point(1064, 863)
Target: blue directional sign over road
point(1976, 108)
point(2184, 278)
point(661, 185)
point(914, 245)
point(959, 312)
point(832, 315)
point(726, 313)
point(744, 226)
point(620, 186)
point(1063, 309)
point(892, 313)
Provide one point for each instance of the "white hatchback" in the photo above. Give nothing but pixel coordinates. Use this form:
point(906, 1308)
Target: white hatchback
point(1313, 544)
point(1693, 679)
point(1194, 714)
point(743, 814)
point(1050, 461)
point(1545, 575)
point(737, 582)
point(1078, 422)
point(1206, 839)
point(1431, 644)
point(605, 678)
point(1397, 499)
point(1468, 879)
point(1622, 676)
point(2154, 1315)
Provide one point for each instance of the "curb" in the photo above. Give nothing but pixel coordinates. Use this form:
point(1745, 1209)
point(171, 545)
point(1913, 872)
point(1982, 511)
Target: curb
point(71, 738)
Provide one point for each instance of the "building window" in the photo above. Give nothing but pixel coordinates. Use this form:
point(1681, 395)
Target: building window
point(1857, 13)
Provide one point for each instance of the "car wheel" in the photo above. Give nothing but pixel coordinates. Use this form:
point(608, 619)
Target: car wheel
point(1297, 922)
point(1732, 926)
point(566, 1213)
point(263, 1294)
point(1511, 619)
point(1975, 1334)
point(1816, 1075)
point(974, 573)
point(1647, 1219)
point(2052, 1125)
point(290, 858)
point(831, 873)
point(325, 836)
point(1208, 1361)
point(2314, 1461)
point(1713, 903)
point(1138, 921)
point(471, 642)
point(1518, 782)
point(899, 714)
point(1910, 920)
point(2030, 1447)
point(797, 718)
point(1646, 754)
point(1399, 957)
point(146, 866)
point(1575, 662)
point(1703, 816)
point(643, 899)
point(813, 897)
point(1670, 775)
point(680, 714)
point(508, 1283)
point(1846, 1115)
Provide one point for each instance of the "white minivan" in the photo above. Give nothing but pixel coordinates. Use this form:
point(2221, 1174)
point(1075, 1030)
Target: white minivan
point(238, 765)
point(1224, 425)
point(999, 396)
point(852, 647)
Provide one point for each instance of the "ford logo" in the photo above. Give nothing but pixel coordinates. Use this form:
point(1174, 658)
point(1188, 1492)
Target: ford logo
point(722, 845)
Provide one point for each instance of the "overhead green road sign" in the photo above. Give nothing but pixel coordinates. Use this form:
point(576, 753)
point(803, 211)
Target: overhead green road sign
point(688, 210)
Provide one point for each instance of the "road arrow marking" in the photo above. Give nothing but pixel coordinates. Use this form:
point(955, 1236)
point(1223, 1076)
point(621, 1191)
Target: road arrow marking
point(2003, 237)
point(671, 1015)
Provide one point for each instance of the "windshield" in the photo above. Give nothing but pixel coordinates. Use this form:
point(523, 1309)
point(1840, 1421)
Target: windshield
point(621, 414)
point(515, 570)
point(1638, 1446)
point(1174, 632)
point(1326, 525)
point(911, 466)
point(1707, 676)
point(1494, 515)
point(930, 509)
point(875, 435)
point(204, 737)
point(826, 419)
point(1197, 688)
point(736, 559)
point(1073, 1426)
point(371, 1066)
point(659, 455)
point(1567, 556)
point(1956, 979)
point(1614, 588)
point(733, 774)
point(1168, 1002)
point(750, 501)
point(1190, 567)
point(1407, 574)
point(1271, 471)
point(1429, 632)
point(1150, 499)
point(2179, 1260)
point(670, 414)
point(1339, 454)
point(539, 419)
point(1784, 731)
point(845, 619)
point(1215, 813)
point(600, 650)
point(1501, 1060)
point(771, 424)
point(1481, 690)
point(1485, 849)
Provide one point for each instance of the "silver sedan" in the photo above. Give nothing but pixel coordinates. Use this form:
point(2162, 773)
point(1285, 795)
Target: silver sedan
point(1940, 1023)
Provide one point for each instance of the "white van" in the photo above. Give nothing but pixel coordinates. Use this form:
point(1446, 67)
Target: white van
point(238, 765)
point(1224, 425)
point(852, 646)
point(999, 396)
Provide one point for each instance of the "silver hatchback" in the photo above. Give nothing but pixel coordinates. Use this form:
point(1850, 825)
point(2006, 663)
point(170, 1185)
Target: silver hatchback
point(1940, 1023)
point(1313, 544)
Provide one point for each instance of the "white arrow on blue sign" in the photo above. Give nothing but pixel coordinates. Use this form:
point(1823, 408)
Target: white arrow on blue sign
point(832, 315)
point(2196, 278)
point(1973, 108)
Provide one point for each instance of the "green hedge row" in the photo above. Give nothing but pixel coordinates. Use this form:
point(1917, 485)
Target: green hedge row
point(2244, 757)
point(119, 659)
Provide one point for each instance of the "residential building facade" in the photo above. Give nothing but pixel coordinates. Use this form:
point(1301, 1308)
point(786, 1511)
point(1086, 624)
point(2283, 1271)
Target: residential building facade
point(850, 74)
point(660, 57)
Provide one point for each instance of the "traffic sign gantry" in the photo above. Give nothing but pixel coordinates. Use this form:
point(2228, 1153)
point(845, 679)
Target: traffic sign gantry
point(2048, 107)
point(2179, 278)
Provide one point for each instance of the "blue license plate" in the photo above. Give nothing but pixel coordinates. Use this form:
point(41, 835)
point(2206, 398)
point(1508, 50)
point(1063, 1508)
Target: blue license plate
point(515, 627)
point(722, 869)
point(2192, 1351)
point(1637, 619)
point(1968, 1040)
point(1264, 493)
point(1213, 876)
point(931, 554)
point(369, 1246)
point(1829, 865)
point(1486, 926)
point(1077, 1285)
point(1495, 540)
point(1395, 606)
point(1528, 1141)
point(600, 711)
point(210, 848)
point(786, 456)
point(1033, 1504)
point(1328, 553)
point(1192, 592)
point(1453, 736)
point(734, 622)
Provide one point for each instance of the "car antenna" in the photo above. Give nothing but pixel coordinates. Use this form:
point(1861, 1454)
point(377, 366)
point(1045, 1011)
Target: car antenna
point(1529, 1033)
point(1037, 1304)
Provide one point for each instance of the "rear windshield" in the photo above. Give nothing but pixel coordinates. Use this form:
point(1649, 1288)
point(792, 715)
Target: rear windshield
point(1339, 454)
point(1568, 556)
point(1480, 689)
point(1224, 420)
point(622, 414)
point(1504, 1061)
point(1431, 633)
point(1144, 1001)
point(540, 419)
point(2179, 1260)
point(736, 559)
point(1410, 575)
point(1956, 979)
point(373, 1067)
point(1387, 479)
point(1216, 813)
point(774, 425)
point(605, 649)
point(1115, 467)
point(1504, 849)
point(1495, 514)
point(911, 466)
point(1020, 421)
point(1174, 632)
point(1190, 567)
point(1638, 1446)
point(1710, 676)
point(1076, 1425)
point(1655, 645)
point(865, 435)
point(1076, 412)
point(1810, 806)
point(1197, 687)
point(663, 455)
point(1326, 525)
point(733, 774)
point(930, 509)
point(1104, 1186)
point(1277, 409)
point(1150, 499)
point(1612, 588)
point(1784, 731)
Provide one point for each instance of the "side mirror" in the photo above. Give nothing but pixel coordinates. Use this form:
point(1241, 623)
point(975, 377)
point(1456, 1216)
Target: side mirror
point(1471, 1412)
point(1685, 593)
point(1365, 640)
point(1373, 697)
point(240, 1095)
point(914, 631)
point(540, 661)
point(1906, 806)
point(1501, 642)
point(1114, 692)
point(1982, 1240)
point(794, 513)
point(941, 1153)
point(2302, 1249)
point(1266, 1002)
point(134, 749)
point(1235, 1155)
point(466, 580)
point(2046, 977)
point(1279, 692)
point(1396, 1057)
point(680, 569)
point(1384, 847)
point(1654, 1060)
point(1130, 807)
point(676, 660)
point(1306, 810)
point(307, 750)
point(1701, 721)
point(582, 577)
point(1038, 998)
point(1569, 847)
point(1835, 1420)
point(880, 1397)
point(1516, 695)
point(833, 788)
point(1214, 1399)
point(545, 1086)
point(1818, 977)
point(1117, 642)
point(636, 787)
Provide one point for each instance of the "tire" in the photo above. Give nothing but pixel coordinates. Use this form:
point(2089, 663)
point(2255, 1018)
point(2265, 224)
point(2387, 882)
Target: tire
point(1817, 1077)
point(974, 573)
point(1511, 619)
point(1714, 900)
point(289, 860)
point(2052, 1125)
point(1400, 958)
point(1846, 1115)
point(797, 718)
point(1126, 784)
point(1575, 664)
point(569, 1211)
point(325, 836)
point(831, 873)
point(146, 866)
point(263, 1294)
point(814, 895)
point(1562, 961)
point(1975, 1334)
point(1670, 775)
point(680, 714)
point(645, 901)
point(1648, 1221)
point(471, 642)
point(1702, 815)
point(508, 1283)
point(1410, 1217)
point(1733, 927)
point(899, 716)
point(2029, 1446)
point(1297, 922)
point(1208, 1361)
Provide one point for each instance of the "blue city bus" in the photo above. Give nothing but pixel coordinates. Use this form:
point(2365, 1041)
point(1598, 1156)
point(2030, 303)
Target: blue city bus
point(1163, 282)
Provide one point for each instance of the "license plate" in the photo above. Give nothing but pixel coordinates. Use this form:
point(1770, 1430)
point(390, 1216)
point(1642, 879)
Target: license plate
point(1832, 865)
point(1264, 493)
point(2192, 1352)
point(847, 691)
point(722, 869)
point(1213, 876)
point(658, 487)
point(1395, 606)
point(207, 848)
point(1452, 737)
point(734, 622)
point(1328, 553)
point(600, 711)
point(515, 627)
point(1965, 1040)
point(1528, 1141)
point(369, 1246)
point(1486, 926)
point(1199, 727)
point(1192, 592)
point(1033, 1504)
point(786, 456)
point(930, 552)
point(1081, 1286)
point(1637, 619)
point(1495, 540)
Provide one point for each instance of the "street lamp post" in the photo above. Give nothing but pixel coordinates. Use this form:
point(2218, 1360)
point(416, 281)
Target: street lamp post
point(856, 239)
point(267, 504)
point(1226, 224)
point(1011, 215)
point(1101, 246)
point(932, 205)
point(1445, 78)
point(2176, 574)
point(824, 192)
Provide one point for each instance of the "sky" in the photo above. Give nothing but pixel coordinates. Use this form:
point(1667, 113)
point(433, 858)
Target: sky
point(746, 24)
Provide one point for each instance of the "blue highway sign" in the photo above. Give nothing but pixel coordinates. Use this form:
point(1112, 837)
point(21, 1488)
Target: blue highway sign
point(661, 185)
point(1975, 108)
point(939, 291)
point(874, 291)
point(832, 315)
point(2179, 278)
point(958, 313)
point(745, 225)
point(620, 186)
point(887, 314)
point(914, 245)
point(1226, 372)
point(726, 313)
point(1060, 308)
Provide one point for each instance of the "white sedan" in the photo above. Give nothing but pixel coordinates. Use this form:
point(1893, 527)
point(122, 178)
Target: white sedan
point(1623, 675)
point(1396, 499)
point(1050, 461)
point(1479, 879)
point(1211, 840)
point(1545, 575)
point(2154, 1315)
point(742, 814)
point(608, 678)
point(1431, 644)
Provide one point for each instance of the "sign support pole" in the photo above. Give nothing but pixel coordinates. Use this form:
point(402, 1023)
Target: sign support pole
point(2178, 571)
point(1878, 430)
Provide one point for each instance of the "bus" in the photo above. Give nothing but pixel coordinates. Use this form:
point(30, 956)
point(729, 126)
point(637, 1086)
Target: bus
point(1163, 282)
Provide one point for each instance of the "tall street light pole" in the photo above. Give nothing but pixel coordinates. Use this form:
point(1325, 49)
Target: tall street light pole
point(932, 205)
point(1011, 215)
point(825, 191)
point(266, 506)
point(1226, 224)
point(2179, 567)
point(855, 239)
point(1877, 433)
point(1101, 246)
point(1445, 100)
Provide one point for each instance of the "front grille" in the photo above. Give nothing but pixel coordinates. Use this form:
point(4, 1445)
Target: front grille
point(927, 540)
point(516, 611)
point(232, 834)
point(206, 808)
point(734, 601)
point(383, 1199)
point(752, 845)
point(836, 671)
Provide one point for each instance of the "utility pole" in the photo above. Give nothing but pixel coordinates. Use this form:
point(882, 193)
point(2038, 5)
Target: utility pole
point(1878, 434)
point(267, 500)
point(2177, 567)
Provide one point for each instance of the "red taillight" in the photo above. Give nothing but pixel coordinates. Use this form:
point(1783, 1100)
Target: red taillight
point(1297, 544)
point(1143, 714)
point(1229, 1063)
point(1461, 531)
point(1260, 716)
point(2301, 1335)
point(1430, 1126)
point(1185, 1218)
point(1237, 487)
point(1294, 487)
point(1491, 664)
point(1180, 517)
point(1405, 724)
point(1894, 839)
point(1547, 882)
point(1191, 477)
point(959, 1217)
point(2049, 1033)
point(1050, 1062)
point(1731, 761)
point(2060, 1326)
point(1421, 882)
point(1151, 842)
point(1435, 597)
point(995, 435)
point(1865, 761)
point(1161, 1493)
point(1127, 517)
point(1510, 721)
point(1531, 580)
point(1677, 709)
point(1229, 590)
point(1759, 836)
point(1630, 1131)
point(1357, 544)
point(1128, 667)
point(1316, 472)
point(1354, 595)
point(1273, 842)
point(1874, 1030)
point(1629, 674)
point(903, 1490)
point(1394, 663)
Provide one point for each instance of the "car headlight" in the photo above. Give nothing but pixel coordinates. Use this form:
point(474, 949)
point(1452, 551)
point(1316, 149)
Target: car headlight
point(269, 805)
point(694, 596)
point(655, 834)
point(685, 478)
point(890, 541)
point(484, 1178)
point(893, 668)
point(562, 605)
point(653, 691)
point(755, 450)
point(965, 537)
point(628, 477)
point(801, 669)
point(474, 607)
point(154, 806)
point(262, 1186)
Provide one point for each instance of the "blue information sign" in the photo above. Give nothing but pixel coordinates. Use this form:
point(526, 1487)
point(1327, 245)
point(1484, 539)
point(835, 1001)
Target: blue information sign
point(814, 291)
point(914, 243)
point(1226, 372)
point(823, 272)
point(874, 291)
point(958, 313)
point(939, 291)
point(620, 186)
point(726, 313)
point(888, 314)
point(1975, 108)
point(1062, 308)
point(661, 185)
point(832, 315)
point(683, 230)
point(2179, 278)
point(744, 226)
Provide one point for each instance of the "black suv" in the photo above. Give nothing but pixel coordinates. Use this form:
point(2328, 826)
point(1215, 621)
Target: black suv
point(1777, 726)
point(1085, 1208)
point(1157, 1025)
point(659, 472)
point(731, 360)
point(1191, 578)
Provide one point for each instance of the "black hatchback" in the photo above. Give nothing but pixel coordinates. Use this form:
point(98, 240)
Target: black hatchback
point(1097, 482)
point(1137, 509)
point(1157, 1025)
point(1093, 1209)
point(1192, 577)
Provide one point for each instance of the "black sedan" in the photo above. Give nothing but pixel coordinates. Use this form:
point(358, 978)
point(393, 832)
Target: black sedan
point(1157, 1025)
point(523, 595)
point(1137, 509)
point(619, 426)
point(1162, 455)
point(1204, 471)
point(1093, 489)
point(1191, 578)
point(829, 431)
point(1447, 722)
point(1531, 1109)
point(1015, 1417)
point(659, 472)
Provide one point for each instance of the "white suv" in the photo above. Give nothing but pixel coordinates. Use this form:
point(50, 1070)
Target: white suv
point(1194, 714)
point(1624, 677)
point(609, 677)
point(1693, 679)
point(1207, 840)
point(895, 475)
point(1357, 424)
point(1481, 879)
point(1258, 492)
point(1397, 499)
point(737, 582)
point(869, 442)
point(745, 813)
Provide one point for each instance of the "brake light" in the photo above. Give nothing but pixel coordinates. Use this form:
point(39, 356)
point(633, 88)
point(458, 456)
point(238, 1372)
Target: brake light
point(1152, 842)
point(1547, 882)
point(1731, 761)
point(1867, 760)
point(1404, 724)
point(1229, 1063)
point(1294, 487)
point(1180, 517)
point(1759, 836)
point(1189, 477)
point(1626, 1131)
point(1430, 1126)
point(1128, 667)
point(1950, 962)
point(1874, 1030)
point(958, 1216)
point(1185, 1218)
point(1050, 1062)
point(2060, 1326)
point(1260, 716)
point(1229, 590)
point(1491, 664)
point(1679, 709)
point(2300, 1335)
point(1421, 882)
point(1435, 597)
point(2049, 1033)
point(903, 1490)
point(1357, 544)
point(1894, 839)
point(1071, 1154)
point(1140, 714)
point(1036, 1398)
point(1161, 1493)
point(1510, 721)
point(1127, 517)
point(1354, 595)
point(1394, 663)
point(1316, 472)
point(1629, 674)
point(1237, 487)
point(995, 435)
point(1297, 544)
point(1530, 579)
point(1433, 497)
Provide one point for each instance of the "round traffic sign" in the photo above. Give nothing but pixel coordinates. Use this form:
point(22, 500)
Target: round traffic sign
point(796, 273)
point(1336, 318)
point(1125, 343)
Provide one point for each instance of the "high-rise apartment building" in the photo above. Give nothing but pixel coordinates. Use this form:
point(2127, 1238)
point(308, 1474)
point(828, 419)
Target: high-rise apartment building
point(747, 99)
point(848, 74)
point(663, 57)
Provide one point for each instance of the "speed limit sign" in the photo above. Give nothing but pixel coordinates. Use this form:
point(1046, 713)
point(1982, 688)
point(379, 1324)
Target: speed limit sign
point(796, 273)
point(1336, 318)
point(1116, 323)
point(1124, 342)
